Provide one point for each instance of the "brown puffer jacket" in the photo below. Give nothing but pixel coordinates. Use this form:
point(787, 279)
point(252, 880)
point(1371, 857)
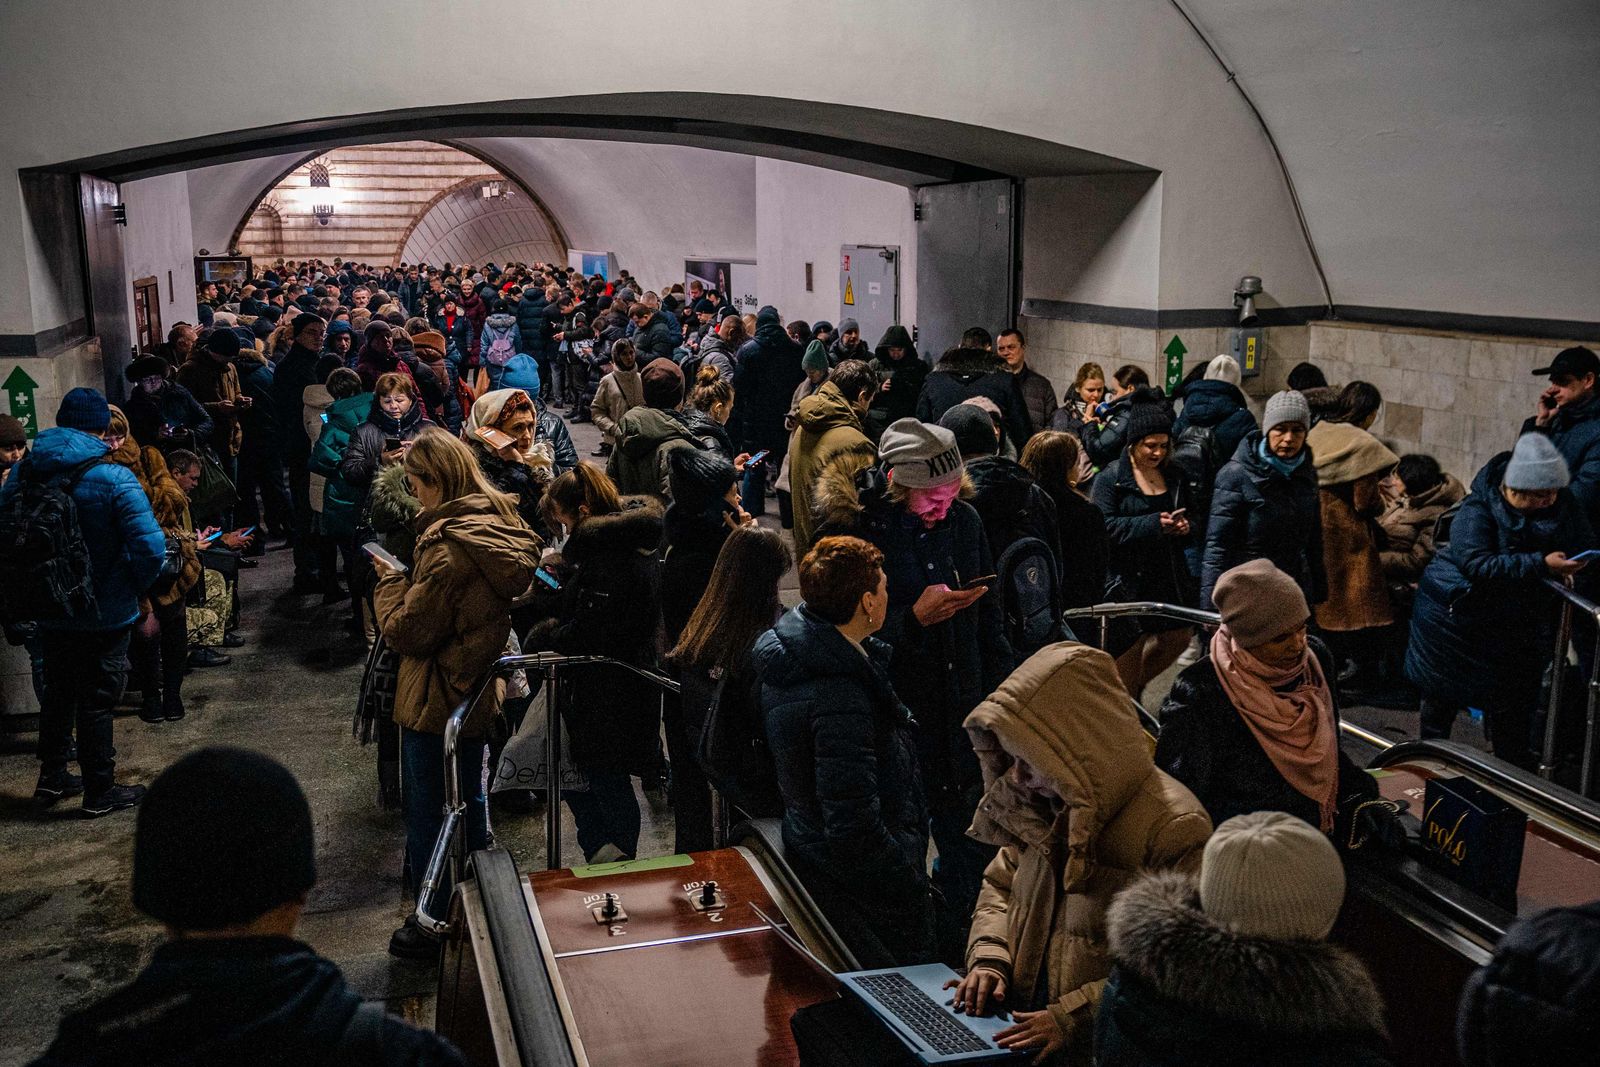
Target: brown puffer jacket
point(1041, 916)
point(1350, 464)
point(449, 617)
point(829, 436)
point(1408, 529)
point(171, 508)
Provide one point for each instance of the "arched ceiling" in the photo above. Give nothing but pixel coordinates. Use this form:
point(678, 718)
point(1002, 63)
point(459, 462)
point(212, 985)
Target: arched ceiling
point(464, 226)
point(1445, 149)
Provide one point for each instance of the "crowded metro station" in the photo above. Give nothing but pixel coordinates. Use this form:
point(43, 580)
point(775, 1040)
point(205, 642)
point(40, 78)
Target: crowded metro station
point(799, 572)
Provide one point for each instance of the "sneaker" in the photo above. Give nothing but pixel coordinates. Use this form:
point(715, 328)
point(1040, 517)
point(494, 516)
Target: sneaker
point(54, 787)
point(208, 657)
point(246, 562)
point(412, 942)
point(150, 709)
point(114, 799)
point(231, 639)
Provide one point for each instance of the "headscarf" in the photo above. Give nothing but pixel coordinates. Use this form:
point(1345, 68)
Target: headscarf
point(486, 411)
point(1290, 712)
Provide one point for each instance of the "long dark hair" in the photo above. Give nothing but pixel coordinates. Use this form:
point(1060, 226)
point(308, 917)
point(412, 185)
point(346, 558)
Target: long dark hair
point(739, 604)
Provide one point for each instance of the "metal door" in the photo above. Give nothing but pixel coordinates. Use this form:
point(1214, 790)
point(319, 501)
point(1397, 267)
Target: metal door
point(104, 269)
point(869, 288)
point(966, 261)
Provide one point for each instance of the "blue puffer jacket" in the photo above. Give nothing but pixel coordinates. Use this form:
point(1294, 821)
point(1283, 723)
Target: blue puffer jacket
point(847, 768)
point(1220, 407)
point(1482, 620)
point(125, 545)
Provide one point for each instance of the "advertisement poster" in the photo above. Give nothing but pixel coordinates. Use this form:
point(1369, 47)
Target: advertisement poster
point(592, 263)
point(734, 278)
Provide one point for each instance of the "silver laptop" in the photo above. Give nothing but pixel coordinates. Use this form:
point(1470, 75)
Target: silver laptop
point(915, 1006)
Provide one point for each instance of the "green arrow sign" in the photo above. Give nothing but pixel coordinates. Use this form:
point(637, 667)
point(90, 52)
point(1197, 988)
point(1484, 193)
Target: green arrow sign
point(19, 394)
point(1174, 350)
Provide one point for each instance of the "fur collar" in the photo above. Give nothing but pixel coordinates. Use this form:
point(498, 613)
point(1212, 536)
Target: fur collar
point(636, 528)
point(1156, 931)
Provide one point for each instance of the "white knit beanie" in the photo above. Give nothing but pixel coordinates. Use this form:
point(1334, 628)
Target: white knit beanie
point(1224, 368)
point(1268, 874)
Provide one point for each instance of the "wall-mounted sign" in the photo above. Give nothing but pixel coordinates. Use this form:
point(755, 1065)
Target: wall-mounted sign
point(734, 278)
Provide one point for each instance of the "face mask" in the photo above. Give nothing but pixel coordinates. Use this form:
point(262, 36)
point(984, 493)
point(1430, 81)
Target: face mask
point(932, 505)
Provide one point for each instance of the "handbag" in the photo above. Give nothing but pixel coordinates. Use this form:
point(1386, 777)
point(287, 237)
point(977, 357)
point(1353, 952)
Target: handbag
point(216, 494)
point(1121, 633)
point(716, 749)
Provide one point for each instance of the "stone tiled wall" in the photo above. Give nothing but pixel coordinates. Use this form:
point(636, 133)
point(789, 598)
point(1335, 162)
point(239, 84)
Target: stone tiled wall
point(1459, 397)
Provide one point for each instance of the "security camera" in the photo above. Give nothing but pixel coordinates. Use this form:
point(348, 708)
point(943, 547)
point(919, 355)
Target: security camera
point(1244, 298)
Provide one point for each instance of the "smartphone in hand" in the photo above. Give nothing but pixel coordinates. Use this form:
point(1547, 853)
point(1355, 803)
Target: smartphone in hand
point(547, 578)
point(757, 458)
point(494, 438)
point(377, 551)
point(985, 581)
point(391, 444)
point(1585, 557)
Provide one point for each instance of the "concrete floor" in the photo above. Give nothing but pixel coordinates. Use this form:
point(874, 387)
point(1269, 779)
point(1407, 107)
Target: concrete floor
point(68, 932)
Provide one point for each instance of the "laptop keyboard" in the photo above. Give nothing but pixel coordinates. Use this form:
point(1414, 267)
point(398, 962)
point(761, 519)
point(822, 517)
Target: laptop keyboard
point(921, 1014)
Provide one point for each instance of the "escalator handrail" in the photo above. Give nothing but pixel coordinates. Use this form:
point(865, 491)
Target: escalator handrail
point(1145, 607)
point(1500, 774)
point(537, 1022)
point(1577, 599)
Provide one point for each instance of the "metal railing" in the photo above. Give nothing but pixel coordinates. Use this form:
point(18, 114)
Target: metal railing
point(1571, 601)
point(450, 846)
point(1142, 608)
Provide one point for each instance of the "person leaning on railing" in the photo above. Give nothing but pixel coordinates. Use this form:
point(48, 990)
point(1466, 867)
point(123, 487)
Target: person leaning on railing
point(1482, 621)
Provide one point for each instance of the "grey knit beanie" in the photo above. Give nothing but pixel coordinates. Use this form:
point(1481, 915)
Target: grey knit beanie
point(1287, 406)
point(1535, 464)
point(846, 325)
point(920, 456)
point(1259, 603)
point(1268, 874)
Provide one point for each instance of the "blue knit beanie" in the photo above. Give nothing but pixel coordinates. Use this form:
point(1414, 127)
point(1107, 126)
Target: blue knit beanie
point(84, 409)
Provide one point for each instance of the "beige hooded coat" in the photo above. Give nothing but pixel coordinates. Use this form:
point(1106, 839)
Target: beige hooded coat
point(1041, 915)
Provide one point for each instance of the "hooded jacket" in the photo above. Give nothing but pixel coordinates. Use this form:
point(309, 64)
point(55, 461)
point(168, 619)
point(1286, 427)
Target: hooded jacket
point(963, 373)
point(1482, 619)
point(248, 1002)
point(638, 463)
point(1220, 407)
point(1012, 506)
point(714, 352)
point(1041, 916)
point(854, 820)
point(902, 380)
point(828, 433)
point(1407, 527)
point(496, 326)
point(1259, 513)
point(448, 618)
point(763, 383)
point(430, 349)
point(1189, 991)
point(126, 546)
point(608, 606)
point(392, 512)
point(341, 500)
point(530, 319)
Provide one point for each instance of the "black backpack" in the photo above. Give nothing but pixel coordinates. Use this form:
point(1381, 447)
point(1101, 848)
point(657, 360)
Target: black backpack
point(1195, 453)
point(44, 561)
point(1030, 595)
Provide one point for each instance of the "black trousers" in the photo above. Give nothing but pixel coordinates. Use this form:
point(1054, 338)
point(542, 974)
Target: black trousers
point(307, 559)
point(158, 662)
point(691, 792)
point(84, 671)
point(1508, 725)
point(261, 474)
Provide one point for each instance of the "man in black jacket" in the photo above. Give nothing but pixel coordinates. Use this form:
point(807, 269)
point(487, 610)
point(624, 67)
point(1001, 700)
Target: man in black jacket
point(295, 373)
point(231, 985)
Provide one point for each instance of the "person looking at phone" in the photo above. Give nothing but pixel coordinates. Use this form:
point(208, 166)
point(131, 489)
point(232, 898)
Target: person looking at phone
point(1568, 414)
point(1482, 621)
point(1145, 501)
point(448, 619)
point(950, 648)
point(212, 379)
point(382, 441)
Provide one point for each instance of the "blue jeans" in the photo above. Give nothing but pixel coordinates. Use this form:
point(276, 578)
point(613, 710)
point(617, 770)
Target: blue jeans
point(606, 814)
point(422, 801)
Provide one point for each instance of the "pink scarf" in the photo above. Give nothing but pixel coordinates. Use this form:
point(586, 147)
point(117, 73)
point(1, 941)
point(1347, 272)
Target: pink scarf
point(1290, 712)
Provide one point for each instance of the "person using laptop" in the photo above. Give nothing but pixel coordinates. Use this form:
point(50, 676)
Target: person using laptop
point(854, 821)
point(1079, 810)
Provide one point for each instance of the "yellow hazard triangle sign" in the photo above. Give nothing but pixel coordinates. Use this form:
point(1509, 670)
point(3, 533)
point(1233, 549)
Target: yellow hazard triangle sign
point(849, 292)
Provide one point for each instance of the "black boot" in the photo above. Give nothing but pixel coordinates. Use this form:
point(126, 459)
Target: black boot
point(150, 708)
point(172, 706)
point(412, 942)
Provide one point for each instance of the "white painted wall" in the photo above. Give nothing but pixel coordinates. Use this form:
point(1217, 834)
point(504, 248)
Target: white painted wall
point(804, 214)
point(1094, 239)
point(159, 239)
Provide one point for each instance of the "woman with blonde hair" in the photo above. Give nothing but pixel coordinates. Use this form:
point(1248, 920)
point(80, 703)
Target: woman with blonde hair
point(448, 619)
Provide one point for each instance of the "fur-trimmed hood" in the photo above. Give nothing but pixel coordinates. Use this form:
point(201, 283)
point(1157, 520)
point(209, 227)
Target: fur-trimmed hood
point(853, 483)
point(1159, 935)
point(636, 528)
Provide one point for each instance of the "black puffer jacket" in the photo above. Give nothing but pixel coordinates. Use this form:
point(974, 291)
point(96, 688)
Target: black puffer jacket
point(902, 381)
point(531, 322)
point(608, 606)
point(963, 373)
point(248, 1001)
point(1535, 1001)
point(854, 820)
point(1149, 563)
point(763, 385)
point(1188, 991)
point(1206, 744)
point(1258, 513)
point(525, 483)
point(1012, 506)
